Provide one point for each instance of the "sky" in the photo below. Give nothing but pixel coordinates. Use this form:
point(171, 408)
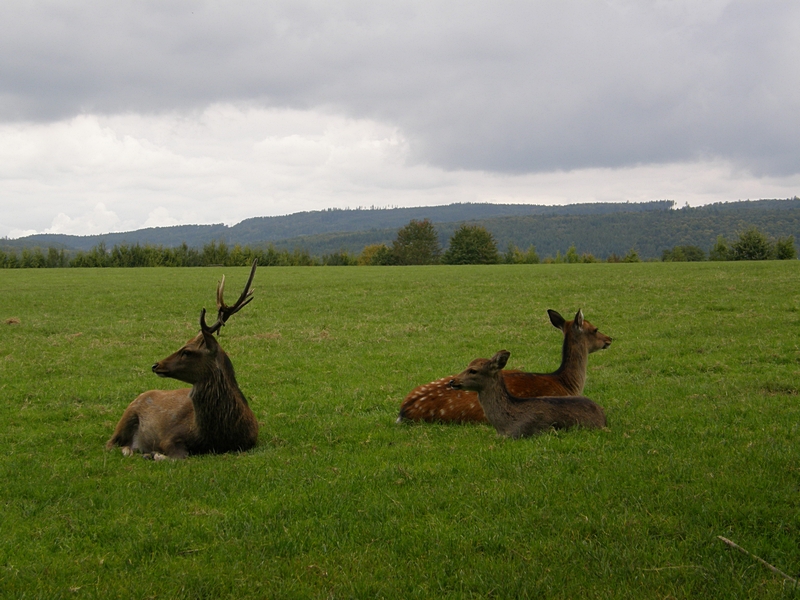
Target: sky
point(144, 113)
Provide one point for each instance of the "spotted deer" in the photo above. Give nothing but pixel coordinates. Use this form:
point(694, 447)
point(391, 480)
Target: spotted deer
point(518, 417)
point(210, 417)
point(437, 401)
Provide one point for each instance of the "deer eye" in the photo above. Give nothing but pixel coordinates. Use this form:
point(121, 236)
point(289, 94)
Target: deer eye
point(471, 371)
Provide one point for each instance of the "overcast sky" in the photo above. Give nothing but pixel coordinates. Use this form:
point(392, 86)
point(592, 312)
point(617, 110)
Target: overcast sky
point(128, 114)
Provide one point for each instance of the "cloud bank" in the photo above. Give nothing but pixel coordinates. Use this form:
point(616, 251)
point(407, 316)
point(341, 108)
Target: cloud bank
point(149, 113)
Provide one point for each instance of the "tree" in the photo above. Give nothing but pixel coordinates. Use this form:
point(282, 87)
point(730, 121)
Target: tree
point(339, 259)
point(515, 256)
point(375, 254)
point(683, 253)
point(720, 250)
point(572, 255)
point(471, 245)
point(631, 257)
point(214, 254)
point(751, 245)
point(784, 248)
point(56, 258)
point(417, 244)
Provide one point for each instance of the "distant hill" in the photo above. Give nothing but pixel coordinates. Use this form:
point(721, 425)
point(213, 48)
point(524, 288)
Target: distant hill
point(649, 232)
point(599, 228)
point(262, 230)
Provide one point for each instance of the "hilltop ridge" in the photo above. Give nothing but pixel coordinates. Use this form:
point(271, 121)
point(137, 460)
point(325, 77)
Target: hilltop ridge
point(262, 230)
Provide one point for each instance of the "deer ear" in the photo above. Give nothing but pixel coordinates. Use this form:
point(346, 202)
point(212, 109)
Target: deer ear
point(578, 322)
point(210, 342)
point(208, 336)
point(500, 359)
point(556, 319)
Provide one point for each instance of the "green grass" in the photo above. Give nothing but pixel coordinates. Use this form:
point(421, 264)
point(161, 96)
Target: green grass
point(700, 387)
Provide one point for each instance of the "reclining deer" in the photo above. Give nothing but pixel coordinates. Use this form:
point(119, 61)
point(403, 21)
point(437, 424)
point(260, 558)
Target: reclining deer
point(211, 416)
point(437, 401)
point(522, 417)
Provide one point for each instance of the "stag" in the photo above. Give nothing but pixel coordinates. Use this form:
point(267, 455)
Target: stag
point(437, 401)
point(210, 417)
point(522, 417)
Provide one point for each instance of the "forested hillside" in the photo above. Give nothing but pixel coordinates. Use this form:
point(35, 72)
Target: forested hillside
point(597, 229)
point(261, 230)
point(649, 232)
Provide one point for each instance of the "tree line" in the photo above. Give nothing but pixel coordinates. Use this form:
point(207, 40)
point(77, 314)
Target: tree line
point(123, 255)
point(417, 243)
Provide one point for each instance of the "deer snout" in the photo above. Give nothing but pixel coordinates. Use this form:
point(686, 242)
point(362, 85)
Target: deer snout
point(158, 370)
point(454, 385)
point(607, 344)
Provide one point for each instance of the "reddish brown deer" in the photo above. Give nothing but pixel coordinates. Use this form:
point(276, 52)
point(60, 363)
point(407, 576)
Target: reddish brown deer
point(437, 401)
point(522, 417)
point(211, 416)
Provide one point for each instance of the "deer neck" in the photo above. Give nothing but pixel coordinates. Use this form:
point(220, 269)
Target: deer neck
point(217, 399)
point(574, 360)
point(495, 401)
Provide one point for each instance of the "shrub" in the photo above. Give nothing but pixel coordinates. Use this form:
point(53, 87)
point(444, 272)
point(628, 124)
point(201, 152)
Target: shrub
point(784, 248)
point(751, 245)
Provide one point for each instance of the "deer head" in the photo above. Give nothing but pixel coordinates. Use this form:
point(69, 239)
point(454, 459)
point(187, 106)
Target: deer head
point(480, 372)
point(201, 355)
point(581, 332)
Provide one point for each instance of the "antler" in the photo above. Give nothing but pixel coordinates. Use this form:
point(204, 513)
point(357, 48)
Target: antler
point(224, 312)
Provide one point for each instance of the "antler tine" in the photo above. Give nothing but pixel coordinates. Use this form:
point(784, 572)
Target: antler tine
point(224, 312)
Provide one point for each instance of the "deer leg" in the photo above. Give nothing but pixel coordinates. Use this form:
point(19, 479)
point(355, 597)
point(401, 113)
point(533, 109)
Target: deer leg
point(176, 452)
point(124, 432)
point(172, 452)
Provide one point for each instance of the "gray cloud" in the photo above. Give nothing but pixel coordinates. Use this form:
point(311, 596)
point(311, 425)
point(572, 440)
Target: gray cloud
point(510, 87)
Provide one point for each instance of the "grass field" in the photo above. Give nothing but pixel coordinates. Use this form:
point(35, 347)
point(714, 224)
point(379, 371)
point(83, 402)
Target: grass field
point(700, 387)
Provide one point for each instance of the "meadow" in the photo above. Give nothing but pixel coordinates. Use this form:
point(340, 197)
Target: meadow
point(338, 501)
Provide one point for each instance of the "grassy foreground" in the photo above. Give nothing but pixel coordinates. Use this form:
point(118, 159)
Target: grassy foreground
point(700, 387)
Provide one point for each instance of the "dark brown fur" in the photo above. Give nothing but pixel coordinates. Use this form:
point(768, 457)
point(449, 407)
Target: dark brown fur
point(437, 401)
point(522, 417)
